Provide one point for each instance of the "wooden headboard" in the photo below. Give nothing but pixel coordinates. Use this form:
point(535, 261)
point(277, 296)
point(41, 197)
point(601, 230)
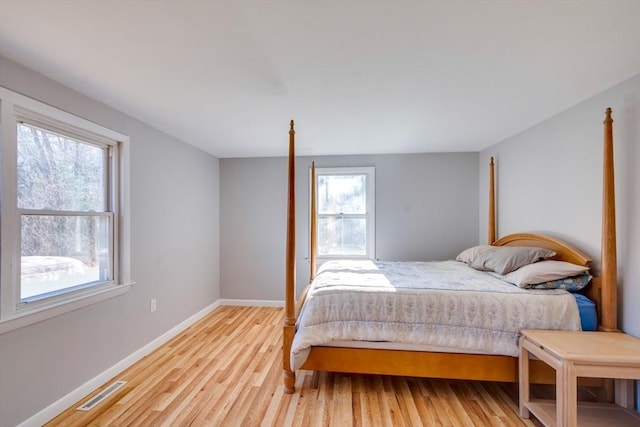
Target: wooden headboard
point(564, 252)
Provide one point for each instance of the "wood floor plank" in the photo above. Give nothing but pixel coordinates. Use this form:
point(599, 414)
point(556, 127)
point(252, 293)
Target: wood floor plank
point(406, 402)
point(227, 370)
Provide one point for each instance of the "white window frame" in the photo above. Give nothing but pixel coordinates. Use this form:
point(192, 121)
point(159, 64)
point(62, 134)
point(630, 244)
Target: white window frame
point(14, 313)
point(370, 172)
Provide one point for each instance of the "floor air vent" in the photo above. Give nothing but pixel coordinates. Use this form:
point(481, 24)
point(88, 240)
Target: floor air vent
point(101, 396)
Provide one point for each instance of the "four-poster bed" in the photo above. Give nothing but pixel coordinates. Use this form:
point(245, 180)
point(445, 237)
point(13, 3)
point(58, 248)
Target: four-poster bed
point(449, 364)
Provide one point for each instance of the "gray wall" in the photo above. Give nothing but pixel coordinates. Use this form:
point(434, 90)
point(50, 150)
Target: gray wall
point(426, 209)
point(174, 257)
point(429, 207)
point(550, 180)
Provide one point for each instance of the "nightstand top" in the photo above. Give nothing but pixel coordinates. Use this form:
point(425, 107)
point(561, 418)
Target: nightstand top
point(589, 347)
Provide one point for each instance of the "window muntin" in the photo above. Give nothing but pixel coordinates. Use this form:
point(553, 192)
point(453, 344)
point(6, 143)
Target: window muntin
point(345, 217)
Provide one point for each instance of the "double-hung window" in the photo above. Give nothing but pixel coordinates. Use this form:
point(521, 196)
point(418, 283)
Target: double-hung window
point(63, 209)
point(345, 212)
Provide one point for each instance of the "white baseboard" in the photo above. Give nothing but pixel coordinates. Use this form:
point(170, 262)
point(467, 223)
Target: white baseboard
point(251, 302)
point(65, 402)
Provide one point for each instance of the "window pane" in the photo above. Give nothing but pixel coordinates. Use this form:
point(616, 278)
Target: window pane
point(342, 236)
point(342, 194)
point(62, 252)
point(58, 173)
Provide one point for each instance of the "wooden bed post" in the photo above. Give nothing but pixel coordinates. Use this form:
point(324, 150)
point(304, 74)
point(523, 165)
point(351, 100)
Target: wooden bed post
point(608, 255)
point(492, 204)
point(290, 272)
point(313, 237)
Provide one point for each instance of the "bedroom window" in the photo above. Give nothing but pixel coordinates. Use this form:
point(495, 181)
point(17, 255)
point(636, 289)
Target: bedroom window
point(63, 206)
point(345, 212)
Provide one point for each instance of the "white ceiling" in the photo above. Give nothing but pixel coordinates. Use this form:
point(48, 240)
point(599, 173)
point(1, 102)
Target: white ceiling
point(357, 76)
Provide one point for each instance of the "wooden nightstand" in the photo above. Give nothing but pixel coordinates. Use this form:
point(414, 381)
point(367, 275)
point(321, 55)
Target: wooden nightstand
point(579, 354)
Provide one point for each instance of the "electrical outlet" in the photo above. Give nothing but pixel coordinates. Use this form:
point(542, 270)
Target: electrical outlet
point(153, 305)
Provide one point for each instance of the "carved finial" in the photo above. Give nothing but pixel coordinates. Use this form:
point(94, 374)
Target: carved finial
point(291, 129)
point(491, 161)
point(607, 118)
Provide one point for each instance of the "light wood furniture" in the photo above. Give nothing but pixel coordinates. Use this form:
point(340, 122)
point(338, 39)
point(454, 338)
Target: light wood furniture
point(579, 354)
point(453, 365)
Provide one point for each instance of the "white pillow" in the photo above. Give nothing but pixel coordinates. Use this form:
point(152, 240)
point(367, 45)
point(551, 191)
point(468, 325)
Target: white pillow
point(468, 255)
point(543, 271)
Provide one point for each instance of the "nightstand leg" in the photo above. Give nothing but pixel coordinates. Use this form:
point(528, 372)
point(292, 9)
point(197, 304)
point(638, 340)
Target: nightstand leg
point(561, 401)
point(570, 395)
point(523, 383)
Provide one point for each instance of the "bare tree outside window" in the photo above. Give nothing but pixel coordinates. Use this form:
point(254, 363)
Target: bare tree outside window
point(64, 219)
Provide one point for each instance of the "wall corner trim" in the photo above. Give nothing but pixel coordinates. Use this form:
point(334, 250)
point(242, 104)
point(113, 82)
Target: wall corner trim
point(65, 402)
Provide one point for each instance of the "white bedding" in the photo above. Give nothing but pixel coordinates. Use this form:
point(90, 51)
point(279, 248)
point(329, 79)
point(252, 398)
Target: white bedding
point(437, 304)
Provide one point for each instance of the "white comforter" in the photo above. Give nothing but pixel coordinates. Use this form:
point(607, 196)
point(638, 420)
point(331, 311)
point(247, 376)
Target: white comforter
point(440, 304)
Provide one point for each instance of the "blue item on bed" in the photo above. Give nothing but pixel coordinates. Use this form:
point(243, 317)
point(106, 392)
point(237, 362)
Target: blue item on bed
point(588, 314)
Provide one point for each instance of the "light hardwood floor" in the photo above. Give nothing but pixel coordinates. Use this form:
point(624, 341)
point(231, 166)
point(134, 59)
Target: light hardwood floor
point(227, 370)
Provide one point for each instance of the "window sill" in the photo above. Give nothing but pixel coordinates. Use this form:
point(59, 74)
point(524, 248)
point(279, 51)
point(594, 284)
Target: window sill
point(29, 317)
